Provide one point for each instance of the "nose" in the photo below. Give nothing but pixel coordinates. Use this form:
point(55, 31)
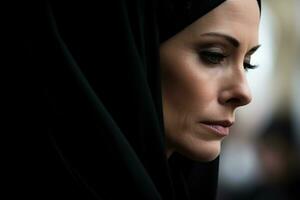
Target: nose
point(235, 90)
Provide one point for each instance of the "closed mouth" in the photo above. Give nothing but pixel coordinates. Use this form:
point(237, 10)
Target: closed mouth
point(218, 127)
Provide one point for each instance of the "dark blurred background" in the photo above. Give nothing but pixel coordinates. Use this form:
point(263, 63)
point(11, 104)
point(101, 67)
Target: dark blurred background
point(260, 159)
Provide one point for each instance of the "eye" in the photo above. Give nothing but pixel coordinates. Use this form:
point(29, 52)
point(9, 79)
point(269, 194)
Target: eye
point(211, 57)
point(248, 66)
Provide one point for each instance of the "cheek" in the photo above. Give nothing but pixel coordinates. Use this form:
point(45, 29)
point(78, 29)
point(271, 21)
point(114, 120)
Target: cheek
point(188, 88)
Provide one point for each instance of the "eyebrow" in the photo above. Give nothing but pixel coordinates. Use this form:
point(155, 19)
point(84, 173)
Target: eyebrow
point(231, 40)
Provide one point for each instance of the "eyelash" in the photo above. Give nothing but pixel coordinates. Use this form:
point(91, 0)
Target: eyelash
point(216, 58)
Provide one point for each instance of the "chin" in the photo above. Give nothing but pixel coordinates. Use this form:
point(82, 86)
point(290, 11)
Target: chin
point(204, 152)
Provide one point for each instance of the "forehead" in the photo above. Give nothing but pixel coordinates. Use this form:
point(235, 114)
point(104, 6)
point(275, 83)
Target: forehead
point(246, 11)
point(238, 18)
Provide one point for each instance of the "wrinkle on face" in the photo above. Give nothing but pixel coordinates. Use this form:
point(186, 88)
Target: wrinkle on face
point(195, 91)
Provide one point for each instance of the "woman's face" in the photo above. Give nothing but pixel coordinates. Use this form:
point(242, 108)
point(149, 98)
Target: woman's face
point(204, 78)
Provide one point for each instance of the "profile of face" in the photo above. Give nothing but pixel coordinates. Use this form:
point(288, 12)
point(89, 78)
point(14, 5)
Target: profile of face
point(204, 78)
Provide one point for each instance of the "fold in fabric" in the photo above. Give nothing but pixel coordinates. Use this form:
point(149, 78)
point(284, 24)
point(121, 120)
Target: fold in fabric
point(97, 126)
point(102, 91)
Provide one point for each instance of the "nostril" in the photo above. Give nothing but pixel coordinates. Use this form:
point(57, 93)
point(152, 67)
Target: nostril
point(239, 101)
point(236, 98)
point(236, 92)
point(235, 102)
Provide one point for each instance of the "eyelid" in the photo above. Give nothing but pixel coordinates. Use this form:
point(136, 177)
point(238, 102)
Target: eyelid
point(253, 50)
point(212, 58)
point(215, 49)
point(250, 53)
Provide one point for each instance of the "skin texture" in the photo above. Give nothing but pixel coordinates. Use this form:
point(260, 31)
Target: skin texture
point(204, 77)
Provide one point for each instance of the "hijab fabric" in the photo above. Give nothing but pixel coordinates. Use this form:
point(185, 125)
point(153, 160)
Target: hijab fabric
point(100, 131)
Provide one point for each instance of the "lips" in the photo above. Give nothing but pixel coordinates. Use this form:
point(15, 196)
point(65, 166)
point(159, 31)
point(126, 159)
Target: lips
point(218, 127)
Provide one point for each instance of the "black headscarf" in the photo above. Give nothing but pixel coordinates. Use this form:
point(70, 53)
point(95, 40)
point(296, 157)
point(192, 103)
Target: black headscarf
point(175, 15)
point(95, 122)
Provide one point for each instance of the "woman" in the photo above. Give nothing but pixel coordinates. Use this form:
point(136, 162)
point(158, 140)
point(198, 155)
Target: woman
point(110, 124)
point(204, 79)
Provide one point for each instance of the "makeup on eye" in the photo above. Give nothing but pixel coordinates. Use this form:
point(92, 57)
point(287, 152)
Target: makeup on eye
point(226, 42)
point(215, 56)
point(213, 53)
point(234, 42)
point(248, 65)
point(247, 61)
point(212, 57)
